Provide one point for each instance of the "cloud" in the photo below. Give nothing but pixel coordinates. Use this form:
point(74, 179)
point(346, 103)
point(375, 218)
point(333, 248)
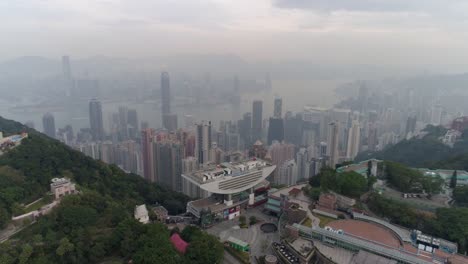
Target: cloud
point(368, 5)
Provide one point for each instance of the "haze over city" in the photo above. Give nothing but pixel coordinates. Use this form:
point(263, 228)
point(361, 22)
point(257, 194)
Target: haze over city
point(212, 131)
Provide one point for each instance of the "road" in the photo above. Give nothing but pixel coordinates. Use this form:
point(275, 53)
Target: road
point(229, 259)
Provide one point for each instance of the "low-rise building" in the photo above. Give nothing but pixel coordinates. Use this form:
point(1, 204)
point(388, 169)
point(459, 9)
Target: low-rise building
point(61, 187)
point(161, 213)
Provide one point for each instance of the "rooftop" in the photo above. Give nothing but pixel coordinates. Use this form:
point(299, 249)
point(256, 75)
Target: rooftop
point(231, 177)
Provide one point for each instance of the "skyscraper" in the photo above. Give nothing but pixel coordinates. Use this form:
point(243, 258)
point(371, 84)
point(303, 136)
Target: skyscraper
point(302, 161)
point(278, 106)
point(147, 153)
point(203, 143)
point(48, 124)
point(245, 129)
point(95, 120)
point(275, 130)
point(280, 153)
point(168, 157)
point(354, 140)
point(170, 122)
point(287, 173)
point(332, 144)
point(165, 93)
point(257, 108)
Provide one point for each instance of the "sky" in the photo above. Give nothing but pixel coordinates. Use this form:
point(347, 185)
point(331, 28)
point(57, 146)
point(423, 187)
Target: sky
point(383, 32)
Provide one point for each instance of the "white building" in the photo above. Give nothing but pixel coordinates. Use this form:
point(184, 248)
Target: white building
point(141, 214)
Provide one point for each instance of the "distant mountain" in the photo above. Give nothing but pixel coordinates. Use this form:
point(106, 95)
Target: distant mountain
point(94, 226)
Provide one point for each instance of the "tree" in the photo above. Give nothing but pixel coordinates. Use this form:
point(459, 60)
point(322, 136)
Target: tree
point(252, 220)
point(206, 249)
point(453, 180)
point(65, 247)
point(369, 169)
point(351, 184)
point(26, 253)
point(370, 182)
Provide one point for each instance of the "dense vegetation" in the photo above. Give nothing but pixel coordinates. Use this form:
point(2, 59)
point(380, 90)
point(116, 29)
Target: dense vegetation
point(407, 179)
point(350, 184)
point(95, 225)
point(448, 223)
point(428, 151)
point(460, 194)
point(414, 152)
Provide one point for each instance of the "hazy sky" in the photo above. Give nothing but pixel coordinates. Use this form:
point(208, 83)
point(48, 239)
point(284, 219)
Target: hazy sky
point(389, 32)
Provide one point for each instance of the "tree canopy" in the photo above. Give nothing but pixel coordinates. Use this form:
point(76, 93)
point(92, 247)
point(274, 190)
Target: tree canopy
point(94, 225)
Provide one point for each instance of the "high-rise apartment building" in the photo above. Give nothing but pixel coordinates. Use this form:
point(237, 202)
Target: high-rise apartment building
point(302, 162)
point(48, 124)
point(147, 153)
point(168, 155)
point(203, 142)
point(245, 129)
point(287, 173)
point(95, 120)
point(354, 140)
point(280, 153)
point(332, 144)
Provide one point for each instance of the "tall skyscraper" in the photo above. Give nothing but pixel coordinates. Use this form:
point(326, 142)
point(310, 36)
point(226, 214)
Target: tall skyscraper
point(354, 140)
point(147, 153)
point(257, 108)
point(332, 144)
point(278, 106)
point(203, 143)
point(302, 161)
point(168, 157)
point(48, 124)
point(170, 122)
point(275, 130)
point(165, 93)
point(293, 126)
point(95, 120)
point(245, 129)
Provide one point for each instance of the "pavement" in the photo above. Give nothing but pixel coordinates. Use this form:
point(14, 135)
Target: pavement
point(259, 242)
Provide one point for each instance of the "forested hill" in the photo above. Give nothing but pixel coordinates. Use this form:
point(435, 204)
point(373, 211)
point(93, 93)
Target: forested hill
point(94, 225)
point(414, 152)
point(428, 151)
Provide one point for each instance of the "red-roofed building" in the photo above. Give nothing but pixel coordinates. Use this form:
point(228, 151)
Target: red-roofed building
point(179, 244)
point(294, 192)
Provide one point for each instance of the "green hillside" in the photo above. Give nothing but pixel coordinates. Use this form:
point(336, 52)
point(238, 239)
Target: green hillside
point(94, 226)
